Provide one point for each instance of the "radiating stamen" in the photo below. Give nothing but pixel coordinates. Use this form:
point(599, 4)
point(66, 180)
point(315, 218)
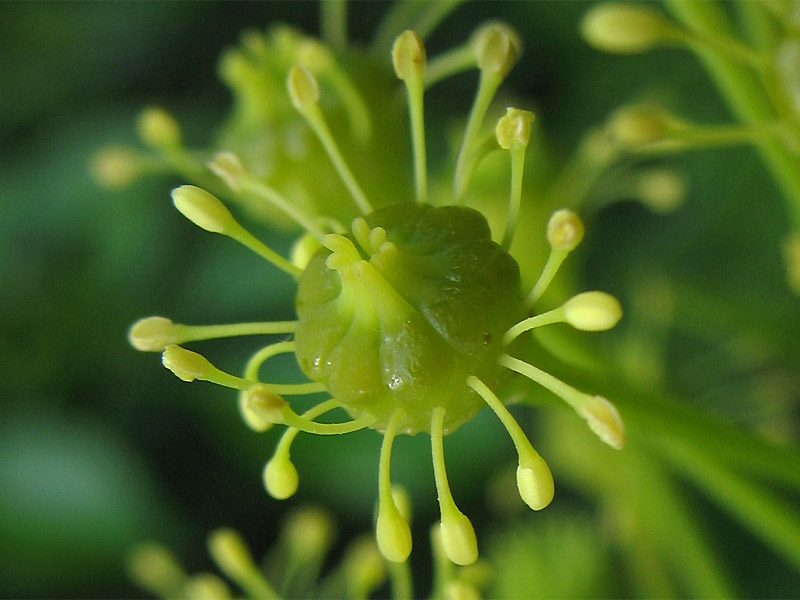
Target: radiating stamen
point(209, 213)
point(513, 133)
point(155, 569)
point(601, 416)
point(564, 233)
point(280, 474)
point(272, 407)
point(408, 58)
point(234, 559)
point(230, 169)
point(496, 48)
point(534, 479)
point(153, 334)
point(589, 311)
point(304, 92)
point(458, 536)
point(391, 531)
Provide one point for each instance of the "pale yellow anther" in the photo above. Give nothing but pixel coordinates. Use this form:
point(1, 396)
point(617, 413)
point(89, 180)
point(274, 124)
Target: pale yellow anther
point(185, 364)
point(230, 552)
point(151, 334)
point(408, 56)
point(309, 532)
point(203, 209)
point(303, 87)
point(266, 404)
point(252, 418)
point(154, 568)
point(625, 28)
point(534, 481)
point(458, 538)
point(228, 167)
point(280, 477)
point(604, 419)
point(315, 56)
point(661, 190)
point(158, 129)
point(514, 128)
point(206, 586)
point(364, 567)
point(564, 230)
point(402, 501)
point(637, 125)
point(115, 166)
point(497, 48)
point(592, 311)
point(393, 534)
point(457, 589)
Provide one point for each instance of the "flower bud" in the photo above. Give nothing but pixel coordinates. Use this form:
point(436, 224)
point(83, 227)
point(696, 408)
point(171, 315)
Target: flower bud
point(625, 28)
point(564, 230)
point(592, 311)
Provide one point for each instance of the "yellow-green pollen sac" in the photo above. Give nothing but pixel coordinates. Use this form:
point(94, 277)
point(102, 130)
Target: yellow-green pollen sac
point(400, 313)
point(406, 319)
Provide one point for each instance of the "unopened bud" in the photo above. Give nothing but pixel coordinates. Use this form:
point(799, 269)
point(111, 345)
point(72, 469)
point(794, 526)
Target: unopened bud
point(592, 311)
point(203, 209)
point(157, 128)
point(514, 129)
point(564, 230)
point(625, 28)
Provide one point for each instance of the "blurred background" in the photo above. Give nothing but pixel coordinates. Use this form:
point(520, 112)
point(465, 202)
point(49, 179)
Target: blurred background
point(101, 448)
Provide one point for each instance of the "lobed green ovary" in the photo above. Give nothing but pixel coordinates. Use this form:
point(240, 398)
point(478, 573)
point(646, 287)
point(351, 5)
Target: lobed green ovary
point(402, 325)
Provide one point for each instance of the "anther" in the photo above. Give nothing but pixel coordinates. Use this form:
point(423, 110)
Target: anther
point(564, 233)
point(158, 129)
point(626, 28)
point(513, 133)
point(155, 569)
point(234, 559)
point(206, 586)
point(391, 531)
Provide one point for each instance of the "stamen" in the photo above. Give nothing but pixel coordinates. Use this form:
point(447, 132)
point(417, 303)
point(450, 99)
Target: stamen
point(452, 62)
point(534, 479)
point(209, 213)
point(513, 133)
point(458, 536)
point(159, 129)
point(496, 47)
point(154, 568)
point(601, 416)
point(153, 334)
point(233, 558)
point(273, 408)
point(188, 366)
point(589, 311)
point(304, 93)
point(333, 21)
point(205, 586)
point(408, 58)
point(364, 569)
point(280, 474)
point(228, 167)
point(391, 531)
point(564, 233)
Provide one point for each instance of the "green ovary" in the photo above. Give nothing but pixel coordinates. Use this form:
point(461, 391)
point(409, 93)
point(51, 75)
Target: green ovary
point(405, 327)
